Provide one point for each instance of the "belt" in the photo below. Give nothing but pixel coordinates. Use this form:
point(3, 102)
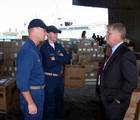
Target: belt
point(37, 87)
point(52, 74)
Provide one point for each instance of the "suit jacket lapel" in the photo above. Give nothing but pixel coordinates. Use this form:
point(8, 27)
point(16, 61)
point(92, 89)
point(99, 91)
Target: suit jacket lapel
point(114, 55)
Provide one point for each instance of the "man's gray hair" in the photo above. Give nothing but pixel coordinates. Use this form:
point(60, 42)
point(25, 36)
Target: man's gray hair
point(118, 27)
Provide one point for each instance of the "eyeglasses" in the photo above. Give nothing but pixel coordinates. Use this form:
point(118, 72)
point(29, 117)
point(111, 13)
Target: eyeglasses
point(110, 33)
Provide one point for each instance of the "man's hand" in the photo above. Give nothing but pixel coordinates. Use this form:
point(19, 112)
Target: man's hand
point(32, 108)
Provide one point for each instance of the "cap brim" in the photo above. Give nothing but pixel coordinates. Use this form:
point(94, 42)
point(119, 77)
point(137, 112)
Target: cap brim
point(46, 28)
point(59, 31)
point(54, 31)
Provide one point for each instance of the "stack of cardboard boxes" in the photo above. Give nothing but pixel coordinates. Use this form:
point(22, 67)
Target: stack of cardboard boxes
point(8, 91)
point(9, 50)
point(85, 57)
point(86, 54)
point(89, 55)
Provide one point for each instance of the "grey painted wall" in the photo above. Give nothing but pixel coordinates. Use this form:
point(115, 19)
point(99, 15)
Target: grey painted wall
point(137, 29)
point(131, 18)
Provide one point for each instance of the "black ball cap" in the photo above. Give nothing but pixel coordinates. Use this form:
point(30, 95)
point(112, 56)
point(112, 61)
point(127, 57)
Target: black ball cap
point(53, 29)
point(37, 23)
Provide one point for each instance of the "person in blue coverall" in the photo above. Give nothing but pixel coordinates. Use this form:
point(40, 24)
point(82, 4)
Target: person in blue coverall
point(54, 57)
point(30, 76)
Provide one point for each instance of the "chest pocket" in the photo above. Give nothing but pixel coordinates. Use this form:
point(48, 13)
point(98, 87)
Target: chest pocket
point(60, 53)
point(51, 57)
point(37, 62)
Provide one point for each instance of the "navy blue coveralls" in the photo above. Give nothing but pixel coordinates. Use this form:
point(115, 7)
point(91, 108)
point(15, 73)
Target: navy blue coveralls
point(30, 73)
point(53, 61)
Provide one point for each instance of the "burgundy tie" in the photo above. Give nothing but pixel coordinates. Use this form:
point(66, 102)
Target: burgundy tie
point(103, 63)
point(109, 53)
point(106, 58)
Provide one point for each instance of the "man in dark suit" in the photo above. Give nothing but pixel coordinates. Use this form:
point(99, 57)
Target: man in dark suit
point(118, 77)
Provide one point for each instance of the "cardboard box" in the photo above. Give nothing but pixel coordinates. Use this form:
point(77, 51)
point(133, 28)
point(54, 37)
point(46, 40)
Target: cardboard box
point(8, 95)
point(86, 42)
point(82, 49)
point(74, 76)
point(89, 68)
point(94, 66)
point(100, 56)
point(91, 75)
point(75, 58)
point(85, 59)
